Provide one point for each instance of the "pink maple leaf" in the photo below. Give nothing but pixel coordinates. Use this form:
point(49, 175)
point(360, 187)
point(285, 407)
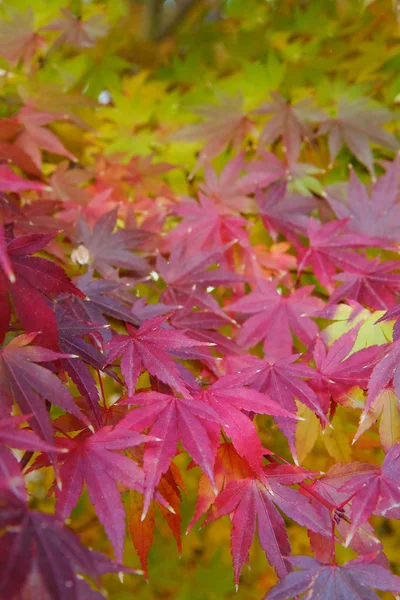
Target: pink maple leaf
point(375, 214)
point(274, 317)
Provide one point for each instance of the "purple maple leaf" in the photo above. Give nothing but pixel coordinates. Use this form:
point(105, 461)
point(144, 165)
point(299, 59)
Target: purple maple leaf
point(351, 581)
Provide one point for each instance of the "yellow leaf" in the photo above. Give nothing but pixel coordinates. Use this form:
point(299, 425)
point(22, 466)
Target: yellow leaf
point(306, 432)
point(336, 441)
point(389, 426)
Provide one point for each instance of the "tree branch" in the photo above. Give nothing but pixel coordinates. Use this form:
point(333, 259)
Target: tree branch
point(166, 29)
point(152, 18)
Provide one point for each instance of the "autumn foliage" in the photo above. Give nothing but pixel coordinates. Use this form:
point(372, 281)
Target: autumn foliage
point(199, 285)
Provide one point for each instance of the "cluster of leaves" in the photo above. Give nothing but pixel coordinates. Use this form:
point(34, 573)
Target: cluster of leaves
point(234, 308)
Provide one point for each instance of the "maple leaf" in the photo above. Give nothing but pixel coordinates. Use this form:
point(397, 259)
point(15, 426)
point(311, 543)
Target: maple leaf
point(228, 466)
point(106, 250)
point(144, 175)
point(34, 136)
point(32, 283)
point(229, 189)
point(264, 262)
point(274, 317)
point(18, 39)
point(328, 249)
point(369, 282)
point(374, 215)
point(65, 183)
point(11, 182)
point(141, 531)
point(187, 274)
point(340, 371)
point(280, 380)
point(171, 418)
point(75, 31)
point(47, 549)
point(149, 348)
point(208, 226)
point(385, 373)
point(71, 330)
point(226, 124)
point(103, 301)
point(355, 125)
point(328, 498)
point(91, 459)
point(228, 400)
point(139, 174)
point(269, 169)
point(284, 214)
point(289, 121)
point(266, 170)
point(15, 437)
point(376, 491)
point(254, 499)
point(352, 581)
point(201, 325)
point(24, 380)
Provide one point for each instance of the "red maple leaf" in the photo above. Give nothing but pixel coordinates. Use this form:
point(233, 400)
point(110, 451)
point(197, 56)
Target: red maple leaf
point(228, 400)
point(282, 381)
point(253, 500)
point(91, 459)
point(171, 418)
point(32, 283)
point(275, 317)
point(350, 581)
point(150, 347)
